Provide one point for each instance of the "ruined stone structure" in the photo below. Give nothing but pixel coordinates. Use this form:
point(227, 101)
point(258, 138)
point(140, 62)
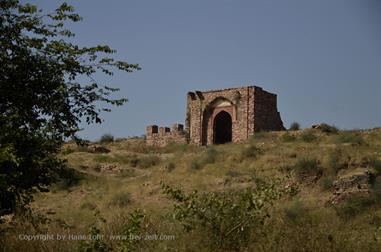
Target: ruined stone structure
point(220, 116)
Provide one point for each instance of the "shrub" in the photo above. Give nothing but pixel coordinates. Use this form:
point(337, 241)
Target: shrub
point(232, 173)
point(194, 164)
point(349, 137)
point(225, 220)
point(128, 173)
point(250, 151)
point(294, 126)
point(353, 206)
point(326, 182)
point(326, 128)
point(121, 199)
point(133, 228)
point(103, 158)
point(307, 166)
point(68, 177)
point(375, 164)
point(106, 138)
point(170, 166)
point(287, 137)
point(134, 160)
point(148, 161)
point(97, 168)
point(207, 157)
point(122, 159)
point(308, 136)
point(88, 205)
point(332, 162)
point(295, 211)
point(258, 135)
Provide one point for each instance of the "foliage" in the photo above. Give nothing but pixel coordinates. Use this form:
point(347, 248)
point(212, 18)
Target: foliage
point(148, 161)
point(333, 162)
point(375, 164)
point(133, 228)
point(68, 177)
point(170, 166)
point(287, 137)
point(349, 137)
point(308, 136)
point(358, 203)
point(46, 89)
point(326, 128)
point(307, 166)
point(106, 138)
point(207, 157)
point(295, 126)
point(96, 241)
point(353, 206)
point(326, 182)
point(294, 211)
point(250, 151)
point(121, 199)
point(226, 218)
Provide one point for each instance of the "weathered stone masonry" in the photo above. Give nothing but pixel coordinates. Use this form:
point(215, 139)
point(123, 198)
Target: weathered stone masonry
point(219, 116)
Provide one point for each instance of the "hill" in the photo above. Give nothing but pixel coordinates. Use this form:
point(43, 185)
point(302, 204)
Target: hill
point(307, 190)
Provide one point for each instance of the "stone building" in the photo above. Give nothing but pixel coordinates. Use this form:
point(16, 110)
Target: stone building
point(220, 116)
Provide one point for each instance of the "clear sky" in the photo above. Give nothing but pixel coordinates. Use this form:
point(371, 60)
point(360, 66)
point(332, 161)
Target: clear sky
point(322, 58)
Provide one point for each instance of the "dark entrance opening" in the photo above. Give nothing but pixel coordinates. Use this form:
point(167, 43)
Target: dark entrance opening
point(222, 128)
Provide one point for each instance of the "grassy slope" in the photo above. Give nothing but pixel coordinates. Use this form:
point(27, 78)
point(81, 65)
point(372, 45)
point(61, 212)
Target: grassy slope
point(300, 221)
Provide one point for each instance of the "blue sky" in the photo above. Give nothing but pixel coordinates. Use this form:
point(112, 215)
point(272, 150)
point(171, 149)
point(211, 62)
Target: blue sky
point(322, 57)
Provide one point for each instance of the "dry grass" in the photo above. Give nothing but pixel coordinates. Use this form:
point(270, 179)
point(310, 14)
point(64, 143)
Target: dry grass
point(139, 169)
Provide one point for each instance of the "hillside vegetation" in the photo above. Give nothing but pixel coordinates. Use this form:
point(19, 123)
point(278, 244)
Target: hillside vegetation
point(303, 190)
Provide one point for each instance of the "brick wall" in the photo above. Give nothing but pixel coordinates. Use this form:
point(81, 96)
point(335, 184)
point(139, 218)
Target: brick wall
point(162, 136)
point(251, 109)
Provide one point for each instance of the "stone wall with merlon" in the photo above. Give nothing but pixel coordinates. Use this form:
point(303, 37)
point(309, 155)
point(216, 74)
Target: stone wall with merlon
point(162, 136)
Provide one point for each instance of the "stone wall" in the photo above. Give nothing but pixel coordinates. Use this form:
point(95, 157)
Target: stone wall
point(162, 136)
point(250, 109)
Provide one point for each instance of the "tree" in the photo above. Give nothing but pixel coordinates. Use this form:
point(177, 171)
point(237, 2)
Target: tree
point(295, 126)
point(46, 89)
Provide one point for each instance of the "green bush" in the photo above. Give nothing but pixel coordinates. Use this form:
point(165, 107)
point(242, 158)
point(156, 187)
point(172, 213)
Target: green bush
point(225, 221)
point(133, 160)
point(308, 136)
point(232, 173)
point(326, 182)
point(207, 157)
point(250, 151)
point(88, 206)
point(375, 164)
point(103, 158)
point(121, 199)
point(353, 206)
point(106, 138)
point(309, 166)
point(326, 128)
point(170, 166)
point(332, 162)
point(97, 168)
point(295, 211)
point(148, 161)
point(127, 173)
point(349, 137)
point(294, 126)
point(194, 164)
point(68, 177)
point(287, 137)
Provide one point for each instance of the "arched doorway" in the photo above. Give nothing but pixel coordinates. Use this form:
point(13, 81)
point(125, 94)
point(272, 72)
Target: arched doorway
point(222, 128)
